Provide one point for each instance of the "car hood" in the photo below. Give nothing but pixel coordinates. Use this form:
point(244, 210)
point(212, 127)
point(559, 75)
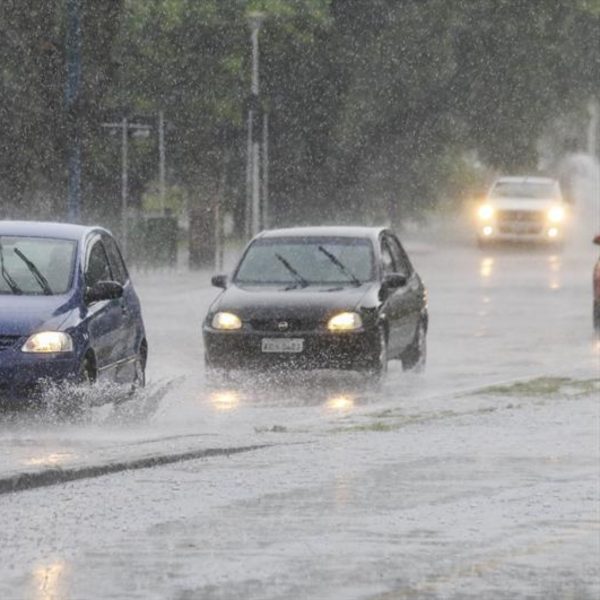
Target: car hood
point(314, 302)
point(523, 204)
point(22, 315)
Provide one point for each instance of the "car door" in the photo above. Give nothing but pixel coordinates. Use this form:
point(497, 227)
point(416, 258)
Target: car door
point(399, 303)
point(130, 307)
point(104, 317)
point(414, 291)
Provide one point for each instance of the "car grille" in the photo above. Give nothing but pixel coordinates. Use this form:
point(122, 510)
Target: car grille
point(520, 221)
point(7, 341)
point(283, 325)
point(520, 216)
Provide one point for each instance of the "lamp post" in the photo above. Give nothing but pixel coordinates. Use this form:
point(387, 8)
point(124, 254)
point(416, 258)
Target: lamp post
point(125, 127)
point(253, 207)
point(72, 89)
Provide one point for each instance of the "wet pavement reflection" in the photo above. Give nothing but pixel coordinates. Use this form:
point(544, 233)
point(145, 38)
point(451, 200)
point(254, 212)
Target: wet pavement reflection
point(49, 581)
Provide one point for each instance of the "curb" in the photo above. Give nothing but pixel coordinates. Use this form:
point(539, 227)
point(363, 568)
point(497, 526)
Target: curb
point(48, 477)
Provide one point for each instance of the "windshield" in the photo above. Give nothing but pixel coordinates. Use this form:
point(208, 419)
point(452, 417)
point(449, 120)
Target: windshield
point(307, 261)
point(36, 266)
point(522, 189)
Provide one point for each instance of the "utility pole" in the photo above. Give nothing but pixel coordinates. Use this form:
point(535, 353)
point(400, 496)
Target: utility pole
point(161, 161)
point(73, 84)
point(124, 183)
point(124, 127)
point(592, 132)
point(265, 174)
point(253, 199)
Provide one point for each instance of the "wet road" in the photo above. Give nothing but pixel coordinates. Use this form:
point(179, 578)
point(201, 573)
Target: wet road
point(431, 486)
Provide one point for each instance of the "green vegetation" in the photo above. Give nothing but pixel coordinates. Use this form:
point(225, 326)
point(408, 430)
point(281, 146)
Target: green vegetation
point(373, 104)
point(545, 386)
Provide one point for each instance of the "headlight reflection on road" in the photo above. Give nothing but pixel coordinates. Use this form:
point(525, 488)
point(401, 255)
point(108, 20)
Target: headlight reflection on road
point(225, 400)
point(554, 263)
point(486, 267)
point(49, 581)
point(340, 403)
point(49, 460)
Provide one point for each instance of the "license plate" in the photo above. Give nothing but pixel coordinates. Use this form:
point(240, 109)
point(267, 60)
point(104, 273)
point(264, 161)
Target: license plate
point(291, 345)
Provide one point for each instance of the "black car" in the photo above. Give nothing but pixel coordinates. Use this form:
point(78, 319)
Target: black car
point(316, 298)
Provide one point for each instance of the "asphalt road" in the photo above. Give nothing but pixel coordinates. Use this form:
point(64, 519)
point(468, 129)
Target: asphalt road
point(480, 478)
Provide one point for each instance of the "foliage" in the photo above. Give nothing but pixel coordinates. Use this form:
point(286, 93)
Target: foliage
point(372, 104)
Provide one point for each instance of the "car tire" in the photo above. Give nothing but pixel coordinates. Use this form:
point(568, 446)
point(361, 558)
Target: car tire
point(214, 374)
point(139, 376)
point(414, 357)
point(71, 401)
point(378, 365)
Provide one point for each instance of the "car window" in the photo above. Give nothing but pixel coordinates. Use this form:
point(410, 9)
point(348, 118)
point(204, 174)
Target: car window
point(50, 268)
point(387, 260)
point(115, 260)
point(524, 189)
point(98, 268)
point(401, 260)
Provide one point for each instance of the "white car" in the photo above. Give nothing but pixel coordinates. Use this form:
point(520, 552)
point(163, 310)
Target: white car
point(528, 209)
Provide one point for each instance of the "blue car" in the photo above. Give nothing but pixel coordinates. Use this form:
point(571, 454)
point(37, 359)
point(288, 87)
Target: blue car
point(68, 309)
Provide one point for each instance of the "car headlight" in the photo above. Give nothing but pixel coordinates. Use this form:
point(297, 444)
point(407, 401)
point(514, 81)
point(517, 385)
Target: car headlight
point(486, 212)
point(47, 342)
point(556, 214)
point(227, 321)
point(346, 321)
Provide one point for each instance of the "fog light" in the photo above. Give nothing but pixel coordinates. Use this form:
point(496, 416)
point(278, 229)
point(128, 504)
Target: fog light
point(487, 231)
point(552, 232)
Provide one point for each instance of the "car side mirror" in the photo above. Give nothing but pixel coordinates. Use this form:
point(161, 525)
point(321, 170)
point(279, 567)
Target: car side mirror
point(219, 281)
point(103, 290)
point(393, 281)
point(597, 240)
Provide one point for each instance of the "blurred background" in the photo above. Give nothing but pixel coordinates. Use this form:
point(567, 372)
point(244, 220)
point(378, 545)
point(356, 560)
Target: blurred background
point(187, 125)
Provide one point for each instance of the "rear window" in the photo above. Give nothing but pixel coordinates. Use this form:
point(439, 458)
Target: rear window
point(36, 266)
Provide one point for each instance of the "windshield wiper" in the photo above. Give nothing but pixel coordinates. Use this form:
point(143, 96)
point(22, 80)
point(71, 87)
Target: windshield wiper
point(42, 281)
point(340, 265)
point(12, 284)
point(301, 280)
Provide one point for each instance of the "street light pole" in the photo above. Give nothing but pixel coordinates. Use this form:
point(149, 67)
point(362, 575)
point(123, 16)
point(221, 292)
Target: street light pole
point(138, 129)
point(73, 83)
point(124, 183)
point(161, 161)
point(253, 208)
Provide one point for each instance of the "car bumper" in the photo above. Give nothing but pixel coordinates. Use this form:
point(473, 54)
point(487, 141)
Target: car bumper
point(243, 350)
point(21, 374)
point(546, 234)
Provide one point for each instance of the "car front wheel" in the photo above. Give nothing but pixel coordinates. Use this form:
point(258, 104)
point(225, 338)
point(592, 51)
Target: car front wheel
point(378, 365)
point(415, 356)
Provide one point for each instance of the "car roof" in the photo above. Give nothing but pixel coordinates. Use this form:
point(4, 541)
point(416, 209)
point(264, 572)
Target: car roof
point(325, 231)
point(524, 179)
point(66, 231)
